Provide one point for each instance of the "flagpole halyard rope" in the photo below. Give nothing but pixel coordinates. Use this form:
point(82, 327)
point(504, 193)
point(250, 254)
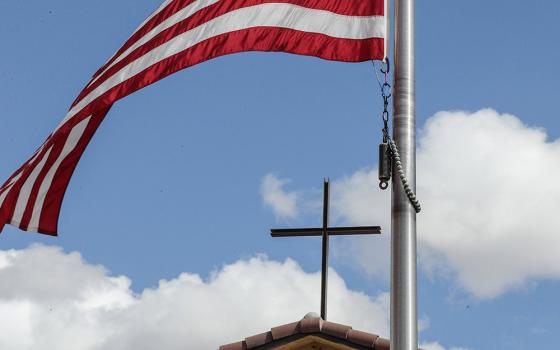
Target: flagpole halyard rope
point(400, 170)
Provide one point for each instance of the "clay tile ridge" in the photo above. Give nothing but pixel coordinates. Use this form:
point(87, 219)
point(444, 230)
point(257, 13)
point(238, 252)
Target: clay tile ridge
point(315, 326)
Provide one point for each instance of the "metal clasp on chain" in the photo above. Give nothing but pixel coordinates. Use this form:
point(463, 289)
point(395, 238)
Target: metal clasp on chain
point(386, 94)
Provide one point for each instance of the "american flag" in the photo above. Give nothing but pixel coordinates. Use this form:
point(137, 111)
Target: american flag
point(180, 34)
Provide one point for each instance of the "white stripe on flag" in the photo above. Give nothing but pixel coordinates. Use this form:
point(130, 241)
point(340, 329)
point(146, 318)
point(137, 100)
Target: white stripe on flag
point(168, 23)
point(159, 9)
point(386, 11)
point(8, 187)
point(25, 192)
point(18, 176)
point(266, 15)
point(71, 143)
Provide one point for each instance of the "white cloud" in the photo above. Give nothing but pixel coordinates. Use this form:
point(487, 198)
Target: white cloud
point(423, 323)
point(432, 346)
point(357, 200)
point(490, 192)
point(437, 346)
point(53, 300)
point(494, 217)
point(282, 203)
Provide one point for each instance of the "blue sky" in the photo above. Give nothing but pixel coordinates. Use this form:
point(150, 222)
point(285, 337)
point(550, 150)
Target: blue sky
point(173, 181)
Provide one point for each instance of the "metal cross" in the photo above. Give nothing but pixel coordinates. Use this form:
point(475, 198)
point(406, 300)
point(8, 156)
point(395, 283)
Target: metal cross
point(325, 232)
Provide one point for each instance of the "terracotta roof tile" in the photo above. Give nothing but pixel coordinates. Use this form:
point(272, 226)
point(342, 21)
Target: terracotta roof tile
point(313, 326)
point(362, 338)
point(382, 344)
point(234, 346)
point(258, 340)
point(335, 329)
point(285, 330)
point(310, 325)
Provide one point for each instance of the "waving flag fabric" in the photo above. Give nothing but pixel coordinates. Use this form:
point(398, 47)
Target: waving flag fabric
point(179, 34)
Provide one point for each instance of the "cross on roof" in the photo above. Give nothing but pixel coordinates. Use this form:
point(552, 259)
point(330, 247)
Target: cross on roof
point(325, 232)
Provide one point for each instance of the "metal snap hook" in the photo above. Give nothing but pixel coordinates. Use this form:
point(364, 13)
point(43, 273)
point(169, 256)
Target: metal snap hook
point(385, 66)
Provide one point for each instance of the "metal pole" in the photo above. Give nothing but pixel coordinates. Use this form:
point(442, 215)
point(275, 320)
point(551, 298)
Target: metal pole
point(404, 333)
point(325, 262)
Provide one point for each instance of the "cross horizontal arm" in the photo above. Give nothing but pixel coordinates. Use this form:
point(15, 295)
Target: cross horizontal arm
point(296, 232)
point(333, 231)
point(358, 230)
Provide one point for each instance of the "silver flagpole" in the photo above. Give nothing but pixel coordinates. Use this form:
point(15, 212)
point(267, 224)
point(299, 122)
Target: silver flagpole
point(404, 332)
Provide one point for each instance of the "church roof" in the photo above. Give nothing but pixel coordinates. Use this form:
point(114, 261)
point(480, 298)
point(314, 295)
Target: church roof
point(311, 329)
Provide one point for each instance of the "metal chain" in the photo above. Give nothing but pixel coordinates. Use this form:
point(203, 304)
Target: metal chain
point(385, 88)
point(386, 95)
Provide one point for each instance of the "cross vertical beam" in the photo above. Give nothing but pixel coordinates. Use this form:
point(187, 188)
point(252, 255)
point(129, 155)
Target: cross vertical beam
point(325, 255)
point(325, 232)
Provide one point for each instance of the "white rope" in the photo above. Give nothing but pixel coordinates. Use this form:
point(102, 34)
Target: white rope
point(397, 158)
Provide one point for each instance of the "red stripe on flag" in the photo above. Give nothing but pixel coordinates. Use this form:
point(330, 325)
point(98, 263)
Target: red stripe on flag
point(171, 9)
point(347, 8)
point(48, 222)
point(9, 205)
point(21, 168)
point(190, 23)
point(53, 155)
point(253, 39)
